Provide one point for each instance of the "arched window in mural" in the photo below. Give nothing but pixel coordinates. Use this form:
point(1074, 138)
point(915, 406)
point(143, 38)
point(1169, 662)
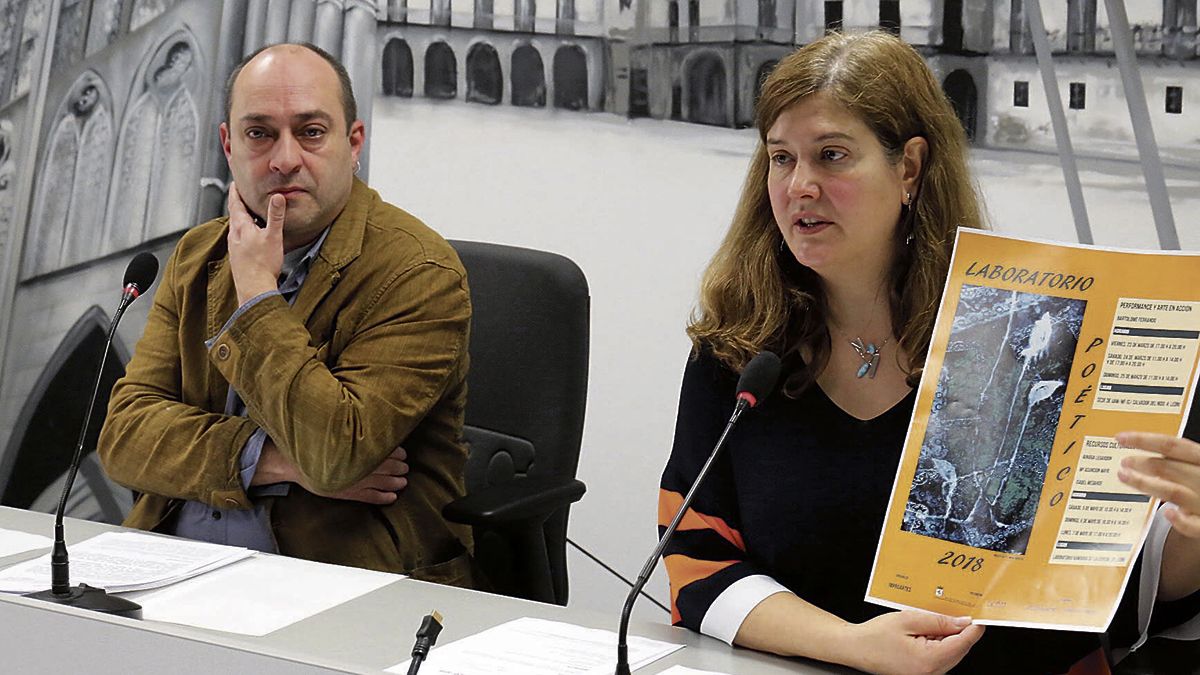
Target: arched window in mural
point(441, 71)
point(766, 14)
point(24, 45)
point(707, 91)
point(570, 78)
point(485, 81)
point(153, 191)
point(72, 183)
point(47, 428)
point(528, 77)
point(7, 180)
point(105, 24)
point(952, 25)
point(70, 35)
point(397, 69)
point(145, 11)
point(763, 71)
point(1179, 28)
point(85, 223)
point(10, 16)
point(960, 89)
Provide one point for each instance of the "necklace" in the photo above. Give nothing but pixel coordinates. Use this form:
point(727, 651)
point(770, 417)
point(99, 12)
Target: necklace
point(869, 353)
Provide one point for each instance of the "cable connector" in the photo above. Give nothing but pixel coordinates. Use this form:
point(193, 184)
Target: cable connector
point(427, 635)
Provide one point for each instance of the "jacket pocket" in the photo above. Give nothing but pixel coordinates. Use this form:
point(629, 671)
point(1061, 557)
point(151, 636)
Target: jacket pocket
point(458, 571)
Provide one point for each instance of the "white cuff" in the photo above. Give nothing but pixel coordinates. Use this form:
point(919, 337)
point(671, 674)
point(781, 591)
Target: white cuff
point(726, 614)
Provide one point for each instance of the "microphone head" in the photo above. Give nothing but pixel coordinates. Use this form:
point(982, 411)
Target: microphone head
point(140, 273)
point(758, 378)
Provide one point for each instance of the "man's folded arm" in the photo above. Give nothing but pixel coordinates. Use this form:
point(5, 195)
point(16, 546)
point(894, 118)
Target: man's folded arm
point(152, 442)
point(337, 423)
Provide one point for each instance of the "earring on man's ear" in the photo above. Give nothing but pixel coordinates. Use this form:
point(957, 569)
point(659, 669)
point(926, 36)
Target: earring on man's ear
point(357, 166)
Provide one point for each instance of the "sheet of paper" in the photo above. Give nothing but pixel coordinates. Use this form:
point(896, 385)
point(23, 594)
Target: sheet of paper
point(124, 561)
point(684, 670)
point(269, 592)
point(13, 542)
point(530, 646)
point(1006, 505)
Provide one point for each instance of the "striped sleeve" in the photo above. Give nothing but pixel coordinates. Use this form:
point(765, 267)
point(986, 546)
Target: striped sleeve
point(714, 584)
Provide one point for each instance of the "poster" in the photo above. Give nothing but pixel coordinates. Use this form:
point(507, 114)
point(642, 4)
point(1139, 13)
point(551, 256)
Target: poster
point(1006, 505)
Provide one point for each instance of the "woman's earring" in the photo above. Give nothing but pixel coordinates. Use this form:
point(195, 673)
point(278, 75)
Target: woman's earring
point(907, 212)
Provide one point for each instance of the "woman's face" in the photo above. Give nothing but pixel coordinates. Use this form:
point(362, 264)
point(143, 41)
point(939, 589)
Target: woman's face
point(834, 193)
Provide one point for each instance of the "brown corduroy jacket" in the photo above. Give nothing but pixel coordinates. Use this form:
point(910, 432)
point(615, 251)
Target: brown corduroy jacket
point(371, 356)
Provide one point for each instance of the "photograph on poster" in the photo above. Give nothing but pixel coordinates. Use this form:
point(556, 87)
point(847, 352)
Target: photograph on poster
point(1008, 360)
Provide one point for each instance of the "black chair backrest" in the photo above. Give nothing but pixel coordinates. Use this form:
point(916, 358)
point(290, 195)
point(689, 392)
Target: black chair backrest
point(527, 381)
point(529, 356)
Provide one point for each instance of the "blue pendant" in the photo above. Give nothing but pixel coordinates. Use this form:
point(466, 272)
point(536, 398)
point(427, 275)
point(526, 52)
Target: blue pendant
point(869, 353)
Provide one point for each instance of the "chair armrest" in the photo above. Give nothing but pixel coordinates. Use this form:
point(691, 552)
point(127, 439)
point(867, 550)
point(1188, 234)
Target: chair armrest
point(514, 502)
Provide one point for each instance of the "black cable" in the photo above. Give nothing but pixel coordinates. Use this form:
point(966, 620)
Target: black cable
point(427, 636)
point(617, 574)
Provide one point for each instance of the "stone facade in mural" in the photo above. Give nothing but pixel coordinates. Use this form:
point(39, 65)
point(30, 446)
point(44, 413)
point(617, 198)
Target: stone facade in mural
point(523, 54)
point(703, 61)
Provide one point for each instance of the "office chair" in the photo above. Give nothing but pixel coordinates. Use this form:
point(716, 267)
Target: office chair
point(526, 394)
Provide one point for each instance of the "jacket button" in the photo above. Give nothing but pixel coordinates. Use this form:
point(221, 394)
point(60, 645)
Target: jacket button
point(222, 351)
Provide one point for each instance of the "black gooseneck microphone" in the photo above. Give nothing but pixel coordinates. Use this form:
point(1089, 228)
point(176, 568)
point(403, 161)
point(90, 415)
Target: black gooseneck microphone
point(756, 382)
point(139, 275)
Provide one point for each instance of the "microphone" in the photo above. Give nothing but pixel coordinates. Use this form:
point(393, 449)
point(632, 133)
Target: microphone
point(139, 275)
point(757, 381)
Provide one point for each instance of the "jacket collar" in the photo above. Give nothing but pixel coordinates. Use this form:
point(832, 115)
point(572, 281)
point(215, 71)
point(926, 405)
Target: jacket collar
point(344, 242)
point(342, 246)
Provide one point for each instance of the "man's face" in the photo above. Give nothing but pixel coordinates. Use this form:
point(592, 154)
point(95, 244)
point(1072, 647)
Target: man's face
point(287, 134)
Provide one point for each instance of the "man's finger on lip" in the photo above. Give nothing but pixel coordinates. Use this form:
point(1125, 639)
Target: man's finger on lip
point(276, 208)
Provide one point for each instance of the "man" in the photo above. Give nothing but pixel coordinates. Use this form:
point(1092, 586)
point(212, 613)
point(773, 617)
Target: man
point(286, 361)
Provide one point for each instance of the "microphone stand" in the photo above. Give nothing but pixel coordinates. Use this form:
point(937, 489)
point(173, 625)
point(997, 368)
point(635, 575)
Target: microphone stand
point(623, 632)
point(61, 591)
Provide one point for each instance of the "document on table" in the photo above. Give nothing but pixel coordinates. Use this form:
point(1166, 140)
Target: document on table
point(125, 561)
point(13, 542)
point(684, 670)
point(529, 646)
point(265, 590)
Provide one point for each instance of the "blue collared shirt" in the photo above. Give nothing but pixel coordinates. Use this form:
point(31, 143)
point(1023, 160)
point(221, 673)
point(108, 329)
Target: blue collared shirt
point(237, 527)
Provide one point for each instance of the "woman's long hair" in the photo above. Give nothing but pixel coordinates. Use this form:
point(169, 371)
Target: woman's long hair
point(755, 295)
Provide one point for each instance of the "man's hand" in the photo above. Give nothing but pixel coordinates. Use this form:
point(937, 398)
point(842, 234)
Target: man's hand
point(255, 254)
point(380, 487)
point(914, 642)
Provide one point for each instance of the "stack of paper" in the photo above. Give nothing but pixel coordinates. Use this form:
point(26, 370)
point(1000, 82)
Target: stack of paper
point(264, 588)
point(538, 647)
point(125, 561)
point(13, 542)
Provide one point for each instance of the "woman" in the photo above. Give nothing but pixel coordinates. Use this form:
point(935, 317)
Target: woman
point(836, 260)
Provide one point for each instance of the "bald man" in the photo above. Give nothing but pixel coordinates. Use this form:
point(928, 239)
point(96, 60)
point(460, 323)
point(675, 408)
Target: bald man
point(301, 381)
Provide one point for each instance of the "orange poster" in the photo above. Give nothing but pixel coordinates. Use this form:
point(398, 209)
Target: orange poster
point(1006, 505)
